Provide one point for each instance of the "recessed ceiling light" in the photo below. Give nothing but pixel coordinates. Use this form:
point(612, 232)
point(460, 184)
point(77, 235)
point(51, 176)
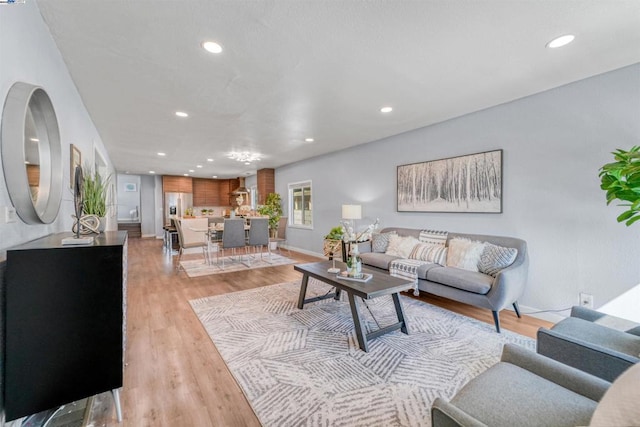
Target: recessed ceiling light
point(26, 162)
point(561, 41)
point(191, 170)
point(309, 140)
point(185, 174)
point(152, 172)
point(247, 163)
point(181, 114)
point(162, 154)
point(198, 166)
point(209, 160)
point(34, 139)
point(386, 109)
point(212, 47)
point(214, 176)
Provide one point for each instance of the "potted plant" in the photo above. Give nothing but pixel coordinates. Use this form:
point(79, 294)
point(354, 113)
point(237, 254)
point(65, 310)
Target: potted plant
point(273, 209)
point(621, 181)
point(94, 192)
point(332, 247)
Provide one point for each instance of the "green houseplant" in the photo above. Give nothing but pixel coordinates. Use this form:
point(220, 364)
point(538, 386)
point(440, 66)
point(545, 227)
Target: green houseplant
point(94, 193)
point(621, 181)
point(273, 209)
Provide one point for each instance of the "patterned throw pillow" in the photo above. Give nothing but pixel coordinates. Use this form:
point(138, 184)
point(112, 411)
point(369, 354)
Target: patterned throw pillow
point(494, 258)
point(464, 253)
point(401, 245)
point(431, 253)
point(433, 237)
point(380, 241)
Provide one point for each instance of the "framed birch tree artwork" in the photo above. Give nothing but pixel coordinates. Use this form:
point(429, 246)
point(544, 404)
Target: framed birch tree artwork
point(470, 183)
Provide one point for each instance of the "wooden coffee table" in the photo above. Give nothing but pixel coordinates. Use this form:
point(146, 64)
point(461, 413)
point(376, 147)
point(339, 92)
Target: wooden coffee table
point(380, 284)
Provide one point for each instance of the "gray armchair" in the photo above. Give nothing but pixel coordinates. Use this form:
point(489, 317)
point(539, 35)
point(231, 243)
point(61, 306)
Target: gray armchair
point(602, 345)
point(523, 389)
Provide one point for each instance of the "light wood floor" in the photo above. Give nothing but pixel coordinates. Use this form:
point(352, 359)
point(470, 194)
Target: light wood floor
point(174, 375)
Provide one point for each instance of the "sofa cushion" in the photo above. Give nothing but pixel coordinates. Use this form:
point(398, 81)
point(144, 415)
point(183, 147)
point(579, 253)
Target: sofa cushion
point(376, 259)
point(380, 241)
point(401, 246)
point(464, 253)
point(494, 258)
point(507, 395)
point(466, 280)
point(429, 252)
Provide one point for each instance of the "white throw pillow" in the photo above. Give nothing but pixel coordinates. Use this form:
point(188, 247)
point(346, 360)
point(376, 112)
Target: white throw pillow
point(464, 253)
point(430, 253)
point(401, 245)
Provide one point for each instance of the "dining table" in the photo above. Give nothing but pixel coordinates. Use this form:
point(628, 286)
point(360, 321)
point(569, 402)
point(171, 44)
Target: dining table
point(213, 236)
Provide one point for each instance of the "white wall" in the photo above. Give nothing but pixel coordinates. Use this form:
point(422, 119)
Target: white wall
point(128, 201)
point(554, 143)
point(29, 54)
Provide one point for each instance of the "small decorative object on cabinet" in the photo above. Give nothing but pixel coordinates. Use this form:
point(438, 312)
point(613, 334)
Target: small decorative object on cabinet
point(64, 322)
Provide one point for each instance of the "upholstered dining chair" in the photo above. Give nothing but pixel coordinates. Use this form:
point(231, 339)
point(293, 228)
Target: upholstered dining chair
point(233, 237)
point(258, 237)
point(188, 238)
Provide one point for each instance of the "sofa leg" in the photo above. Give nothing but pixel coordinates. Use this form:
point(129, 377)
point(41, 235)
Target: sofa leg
point(517, 309)
point(496, 320)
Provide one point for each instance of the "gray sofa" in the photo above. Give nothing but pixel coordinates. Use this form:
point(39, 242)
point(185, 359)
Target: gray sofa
point(474, 288)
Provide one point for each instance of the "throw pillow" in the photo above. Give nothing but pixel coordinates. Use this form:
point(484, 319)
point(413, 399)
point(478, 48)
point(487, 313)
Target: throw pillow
point(464, 253)
point(380, 241)
point(401, 245)
point(431, 253)
point(494, 258)
point(433, 237)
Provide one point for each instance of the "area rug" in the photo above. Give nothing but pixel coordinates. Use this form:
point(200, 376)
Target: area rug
point(197, 267)
point(304, 367)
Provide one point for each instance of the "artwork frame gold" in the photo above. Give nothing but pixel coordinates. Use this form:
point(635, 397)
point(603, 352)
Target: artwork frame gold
point(74, 160)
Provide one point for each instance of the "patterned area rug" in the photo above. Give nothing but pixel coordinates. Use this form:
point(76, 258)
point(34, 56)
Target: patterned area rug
point(197, 267)
point(304, 367)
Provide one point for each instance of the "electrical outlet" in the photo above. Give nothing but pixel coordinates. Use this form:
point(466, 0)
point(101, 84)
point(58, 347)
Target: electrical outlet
point(586, 300)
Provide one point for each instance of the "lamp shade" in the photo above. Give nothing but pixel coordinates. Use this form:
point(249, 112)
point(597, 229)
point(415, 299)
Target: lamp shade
point(351, 212)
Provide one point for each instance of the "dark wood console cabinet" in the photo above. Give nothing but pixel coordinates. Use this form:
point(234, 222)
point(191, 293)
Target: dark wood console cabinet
point(64, 320)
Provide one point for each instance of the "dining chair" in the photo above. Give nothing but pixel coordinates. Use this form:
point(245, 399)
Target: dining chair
point(188, 238)
point(281, 237)
point(258, 237)
point(233, 237)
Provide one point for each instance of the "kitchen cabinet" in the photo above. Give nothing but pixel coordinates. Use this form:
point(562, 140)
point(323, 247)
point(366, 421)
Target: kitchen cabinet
point(177, 184)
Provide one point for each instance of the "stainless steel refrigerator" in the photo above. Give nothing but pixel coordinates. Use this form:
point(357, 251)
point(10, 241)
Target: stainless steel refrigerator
point(175, 204)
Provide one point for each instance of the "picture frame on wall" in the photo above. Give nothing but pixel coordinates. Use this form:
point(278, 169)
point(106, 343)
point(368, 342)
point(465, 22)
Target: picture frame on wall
point(130, 187)
point(471, 183)
point(75, 160)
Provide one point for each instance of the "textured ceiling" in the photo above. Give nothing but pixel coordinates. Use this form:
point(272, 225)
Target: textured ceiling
point(321, 69)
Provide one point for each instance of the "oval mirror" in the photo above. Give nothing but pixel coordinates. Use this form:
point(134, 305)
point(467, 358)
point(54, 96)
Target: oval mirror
point(31, 153)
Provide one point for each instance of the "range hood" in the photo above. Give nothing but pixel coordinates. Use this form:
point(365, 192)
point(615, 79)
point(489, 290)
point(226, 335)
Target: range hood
point(242, 189)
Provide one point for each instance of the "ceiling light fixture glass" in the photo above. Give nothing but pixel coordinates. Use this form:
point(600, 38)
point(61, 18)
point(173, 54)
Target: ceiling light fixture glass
point(34, 139)
point(309, 140)
point(181, 114)
point(386, 109)
point(212, 47)
point(185, 174)
point(152, 172)
point(561, 41)
point(191, 170)
point(214, 176)
point(162, 154)
point(247, 163)
point(198, 166)
point(244, 156)
point(209, 160)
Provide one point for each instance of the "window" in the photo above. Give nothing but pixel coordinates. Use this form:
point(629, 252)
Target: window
point(300, 206)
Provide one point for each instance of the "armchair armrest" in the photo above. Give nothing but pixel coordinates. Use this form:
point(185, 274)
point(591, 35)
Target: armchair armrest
point(566, 376)
point(597, 360)
point(444, 414)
